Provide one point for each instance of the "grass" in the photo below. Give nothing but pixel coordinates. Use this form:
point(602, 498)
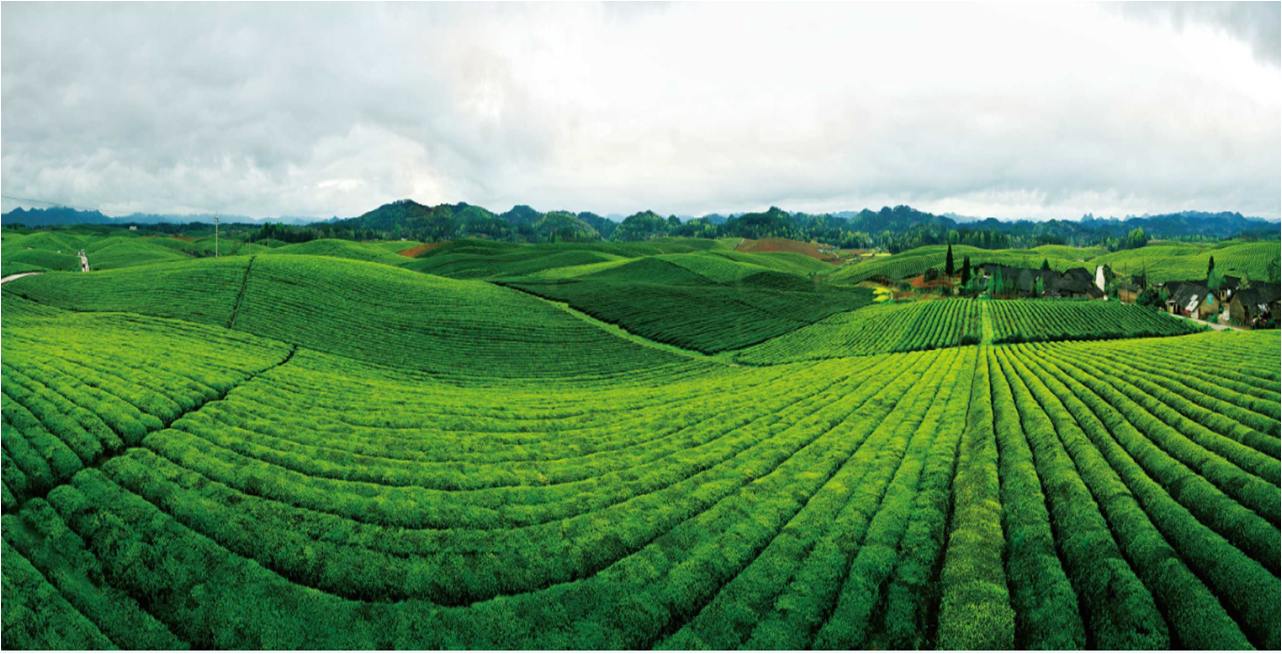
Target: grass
point(311, 452)
point(1188, 261)
point(330, 247)
point(1162, 260)
point(698, 302)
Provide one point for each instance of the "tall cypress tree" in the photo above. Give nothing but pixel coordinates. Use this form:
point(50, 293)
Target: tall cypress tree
point(965, 270)
point(948, 262)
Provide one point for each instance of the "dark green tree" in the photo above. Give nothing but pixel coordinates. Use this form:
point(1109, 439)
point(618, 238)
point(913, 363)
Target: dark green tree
point(1046, 264)
point(965, 273)
point(948, 262)
point(1210, 266)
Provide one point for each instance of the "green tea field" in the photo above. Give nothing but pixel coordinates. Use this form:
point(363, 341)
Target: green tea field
point(667, 444)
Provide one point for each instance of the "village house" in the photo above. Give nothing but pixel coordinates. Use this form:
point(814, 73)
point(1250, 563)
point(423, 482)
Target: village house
point(1250, 305)
point(1128, 291)
point(1191, 299)
point(1075, 283)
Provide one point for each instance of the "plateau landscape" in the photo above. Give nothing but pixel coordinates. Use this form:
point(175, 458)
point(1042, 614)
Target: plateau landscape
point(741, 367)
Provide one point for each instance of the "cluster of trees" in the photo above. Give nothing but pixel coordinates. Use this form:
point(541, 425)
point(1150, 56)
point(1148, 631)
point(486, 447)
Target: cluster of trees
point(894, 229)
point(303, 233)
point(1135, 239)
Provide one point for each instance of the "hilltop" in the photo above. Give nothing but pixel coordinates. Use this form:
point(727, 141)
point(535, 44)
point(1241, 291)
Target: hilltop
point(893, 229)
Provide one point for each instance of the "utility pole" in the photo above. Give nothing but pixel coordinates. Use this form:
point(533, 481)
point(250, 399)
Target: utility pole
point(215, 234)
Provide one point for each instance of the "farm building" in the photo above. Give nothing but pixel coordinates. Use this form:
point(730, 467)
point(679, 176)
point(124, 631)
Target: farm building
point(1128, 291)
point(1253, 304)
point(1191, 299)
point(1074, 283)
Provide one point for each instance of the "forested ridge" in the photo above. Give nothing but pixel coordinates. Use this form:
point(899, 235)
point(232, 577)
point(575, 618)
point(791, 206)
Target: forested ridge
point(893, 229)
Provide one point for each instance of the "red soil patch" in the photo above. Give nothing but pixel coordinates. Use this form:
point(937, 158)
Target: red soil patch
point(920, 282)
point(789, 245)
point(184, 239)
point(419, 249)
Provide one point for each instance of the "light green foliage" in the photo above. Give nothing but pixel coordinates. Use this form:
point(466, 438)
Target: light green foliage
point(123, 252)
point(914, 262)
point(203, 290)
point(306, 452)
point(454, 328)
point(874, 330)
point(332, 247)
point(39, 259)
point(1166, 261)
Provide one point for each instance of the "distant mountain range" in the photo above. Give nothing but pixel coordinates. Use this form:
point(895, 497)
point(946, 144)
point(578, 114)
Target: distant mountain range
point(69, 216)
point(896, 228)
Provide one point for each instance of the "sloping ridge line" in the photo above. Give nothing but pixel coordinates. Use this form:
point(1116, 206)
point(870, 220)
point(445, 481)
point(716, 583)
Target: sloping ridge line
point(107, 456)
point(244, 282)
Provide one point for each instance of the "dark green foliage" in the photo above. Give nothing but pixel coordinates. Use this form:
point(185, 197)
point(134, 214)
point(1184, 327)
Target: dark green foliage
point(1120, 611)
point(1196, 618)
point(975, 610)
point(1045, 604)
point(415, 462)
point(37, 617)
point(1018, 321)
point(671, 304)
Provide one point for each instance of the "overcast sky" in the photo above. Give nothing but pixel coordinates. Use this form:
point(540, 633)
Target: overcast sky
point(1015, 111)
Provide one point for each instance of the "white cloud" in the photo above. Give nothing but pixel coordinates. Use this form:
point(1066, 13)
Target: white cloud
point(1041, 111)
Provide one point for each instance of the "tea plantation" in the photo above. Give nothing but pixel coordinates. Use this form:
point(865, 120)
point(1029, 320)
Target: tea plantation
point(625, 446)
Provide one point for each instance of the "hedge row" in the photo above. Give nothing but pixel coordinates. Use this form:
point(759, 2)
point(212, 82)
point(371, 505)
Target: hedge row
point(1195, 616)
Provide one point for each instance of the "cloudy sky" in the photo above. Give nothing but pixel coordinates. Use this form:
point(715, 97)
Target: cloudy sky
point(1015, 111)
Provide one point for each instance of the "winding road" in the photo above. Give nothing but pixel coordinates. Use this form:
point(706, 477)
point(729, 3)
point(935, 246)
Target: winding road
point(6, 280)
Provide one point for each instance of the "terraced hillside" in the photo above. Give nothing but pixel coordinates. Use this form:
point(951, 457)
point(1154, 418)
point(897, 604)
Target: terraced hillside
point(1160, 261)
point(309, 452)
point(701, 303)
point(1163, 262)
point(875, 330)
point(452, 328)
point(1017, 321)
point(916, 261)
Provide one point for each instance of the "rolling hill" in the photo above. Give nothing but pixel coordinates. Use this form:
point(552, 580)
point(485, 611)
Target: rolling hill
point(292, 451)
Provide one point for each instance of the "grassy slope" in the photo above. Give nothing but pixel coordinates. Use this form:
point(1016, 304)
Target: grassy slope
point(699, 302)
point(1164, 261)
point(330, 247)
point(123, 252)
point(197, 290)
point(364, 310)
point(1188, 261)
point(915, 261)
point(668, 505)
point(40, 259)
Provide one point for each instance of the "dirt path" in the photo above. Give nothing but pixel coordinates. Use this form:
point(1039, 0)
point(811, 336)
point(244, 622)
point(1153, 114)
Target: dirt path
point(10, 278)
point(1219, 327)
